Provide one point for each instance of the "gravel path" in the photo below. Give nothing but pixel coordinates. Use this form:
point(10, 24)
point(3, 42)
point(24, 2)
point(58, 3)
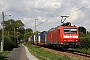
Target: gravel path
point(20, 53)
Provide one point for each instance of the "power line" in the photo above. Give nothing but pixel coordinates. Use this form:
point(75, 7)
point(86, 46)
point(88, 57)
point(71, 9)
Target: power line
point(42, 22)
point(50, 24)
point(79, 9)
point(69, 14)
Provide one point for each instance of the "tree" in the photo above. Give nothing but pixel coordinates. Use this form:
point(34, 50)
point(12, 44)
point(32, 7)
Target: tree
point(28, 33)
point(14, 30)
point(28, 30)
point(9, 25)
point(82, 29)
point(35, 33)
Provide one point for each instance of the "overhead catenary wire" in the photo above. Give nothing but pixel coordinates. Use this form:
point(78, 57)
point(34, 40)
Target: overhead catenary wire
point(46, 25)
point(69, 14)
point(42, 22)
point(79, 9)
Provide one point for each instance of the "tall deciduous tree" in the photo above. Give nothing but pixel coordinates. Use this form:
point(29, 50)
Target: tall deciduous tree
point(82, 29)
point(28, 33)
point(11, 24)
point(28, 30)
point(14, 29)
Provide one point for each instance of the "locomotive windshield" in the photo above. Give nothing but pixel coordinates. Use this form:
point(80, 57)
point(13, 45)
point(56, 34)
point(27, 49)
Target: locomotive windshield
point(70, 30)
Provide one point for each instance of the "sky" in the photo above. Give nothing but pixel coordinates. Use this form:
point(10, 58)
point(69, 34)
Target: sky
point(47, 11)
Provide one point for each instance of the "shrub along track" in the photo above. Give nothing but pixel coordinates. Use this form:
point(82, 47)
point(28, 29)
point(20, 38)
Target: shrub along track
point(72, 53)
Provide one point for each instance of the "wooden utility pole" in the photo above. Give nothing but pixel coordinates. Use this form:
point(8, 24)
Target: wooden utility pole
point(2, 41)
point(15, 37)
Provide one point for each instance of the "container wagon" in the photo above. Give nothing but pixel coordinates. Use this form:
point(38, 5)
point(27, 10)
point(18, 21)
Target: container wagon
point(41, 38)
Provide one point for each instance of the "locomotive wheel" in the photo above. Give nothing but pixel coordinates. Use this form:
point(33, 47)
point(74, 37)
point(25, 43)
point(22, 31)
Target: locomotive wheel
point(58, 47)
point(64, 48)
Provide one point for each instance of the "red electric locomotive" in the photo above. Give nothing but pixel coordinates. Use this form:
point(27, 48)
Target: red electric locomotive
point(64, 36)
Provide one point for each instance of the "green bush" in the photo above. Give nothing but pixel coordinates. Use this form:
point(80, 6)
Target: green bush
point(85, 42)
point(3, 54)
point(8, 43)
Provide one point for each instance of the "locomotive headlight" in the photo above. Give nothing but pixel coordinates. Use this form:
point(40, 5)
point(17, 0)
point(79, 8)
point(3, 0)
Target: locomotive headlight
point(76, 40)
point(69, 40)
point(61, 43)
point(64, 40)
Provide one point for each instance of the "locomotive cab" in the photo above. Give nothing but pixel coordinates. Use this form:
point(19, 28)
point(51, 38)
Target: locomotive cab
point(69, 36)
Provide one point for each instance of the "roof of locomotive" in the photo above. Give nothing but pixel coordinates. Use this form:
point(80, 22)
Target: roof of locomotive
point(64, 25)
point(67, 27)
point(59, 27)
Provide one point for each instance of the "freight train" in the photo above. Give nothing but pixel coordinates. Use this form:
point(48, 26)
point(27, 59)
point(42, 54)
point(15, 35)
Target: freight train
point(64, 36)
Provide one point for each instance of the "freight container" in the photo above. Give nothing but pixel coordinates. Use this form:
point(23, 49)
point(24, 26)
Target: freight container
point(41, 38)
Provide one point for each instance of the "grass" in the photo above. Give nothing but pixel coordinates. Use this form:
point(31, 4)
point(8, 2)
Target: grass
point(42, 54)
point(3, 54)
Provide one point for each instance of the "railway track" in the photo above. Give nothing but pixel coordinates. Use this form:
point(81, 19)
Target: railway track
point(82, 54)
point(72, 53)
point(78, 53)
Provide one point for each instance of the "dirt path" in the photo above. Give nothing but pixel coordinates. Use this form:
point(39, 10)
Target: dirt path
point(20, 53)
